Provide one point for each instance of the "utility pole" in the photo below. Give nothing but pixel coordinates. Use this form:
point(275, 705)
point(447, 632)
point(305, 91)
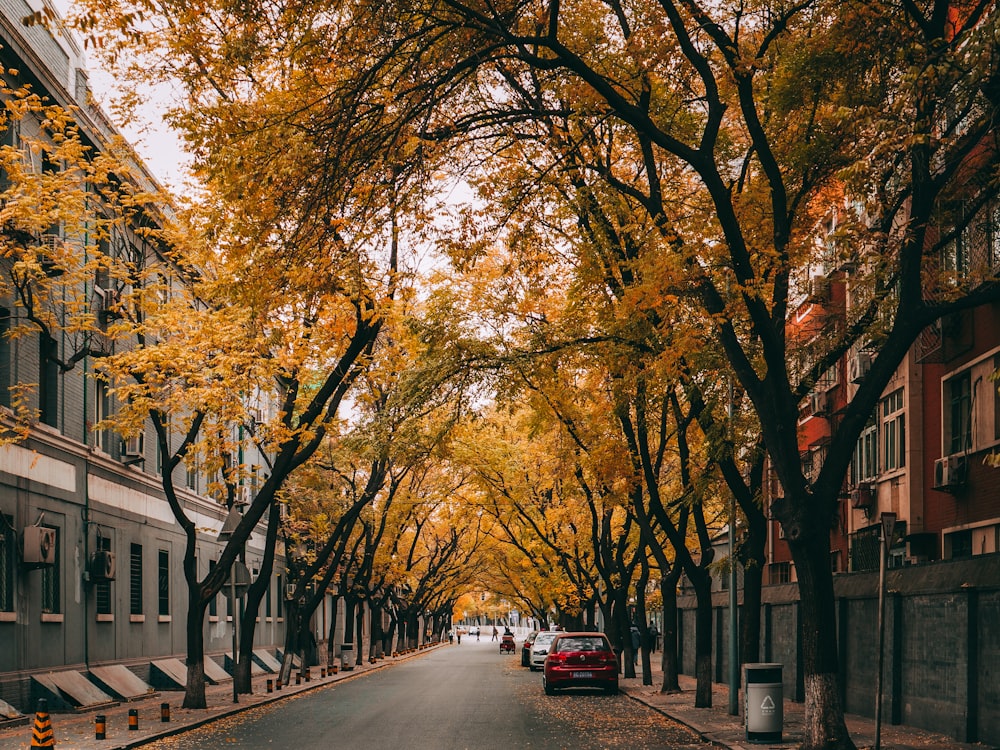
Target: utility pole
point(888, 523)
point(734, 666)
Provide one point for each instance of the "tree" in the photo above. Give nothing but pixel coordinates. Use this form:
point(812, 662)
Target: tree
point(716, 91)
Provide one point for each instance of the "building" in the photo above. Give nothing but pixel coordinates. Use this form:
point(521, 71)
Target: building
point(90, 553)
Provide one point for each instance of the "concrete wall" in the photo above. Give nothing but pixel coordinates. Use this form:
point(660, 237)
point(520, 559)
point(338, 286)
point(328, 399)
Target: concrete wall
point(942, 645)
point(85, 495)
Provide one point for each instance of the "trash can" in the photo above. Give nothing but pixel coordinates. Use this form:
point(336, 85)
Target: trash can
point(763, 702)
point(347, 656)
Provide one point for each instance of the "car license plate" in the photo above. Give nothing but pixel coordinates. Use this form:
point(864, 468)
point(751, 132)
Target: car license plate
point(583, 675)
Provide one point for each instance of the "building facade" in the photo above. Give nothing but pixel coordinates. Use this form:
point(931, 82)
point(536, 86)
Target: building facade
point(90, 553)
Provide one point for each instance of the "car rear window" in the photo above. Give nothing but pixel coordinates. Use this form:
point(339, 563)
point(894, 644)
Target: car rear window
point(582, 643)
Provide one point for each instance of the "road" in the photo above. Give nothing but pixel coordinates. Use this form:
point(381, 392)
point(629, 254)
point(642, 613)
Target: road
point(456, 698)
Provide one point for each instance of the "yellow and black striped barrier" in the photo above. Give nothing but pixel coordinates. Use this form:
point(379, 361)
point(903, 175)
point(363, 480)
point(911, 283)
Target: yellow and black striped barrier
point(42, 734)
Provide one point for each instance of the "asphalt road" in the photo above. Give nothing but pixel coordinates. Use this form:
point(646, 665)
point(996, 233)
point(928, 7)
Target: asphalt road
point(466, 696)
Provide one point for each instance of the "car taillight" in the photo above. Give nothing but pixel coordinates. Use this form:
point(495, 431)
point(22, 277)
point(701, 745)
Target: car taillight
point(555, 658)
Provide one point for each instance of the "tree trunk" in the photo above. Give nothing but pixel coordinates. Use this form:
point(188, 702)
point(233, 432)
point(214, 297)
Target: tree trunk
point(389, 634)
point(670, 662)
point(412, 629)
point(642, 622)
point(291, 639)
point(702, 583)
point(359, 615)
point(753, 581)
point(375, 631)
point(242, 672)
point(753, 557)
point(331, 638)
point(825, 728)
point(625, 632)
point(194, 691)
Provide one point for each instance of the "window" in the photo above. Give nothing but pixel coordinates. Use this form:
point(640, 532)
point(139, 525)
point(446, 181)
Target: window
point(864, 465)
point(958, 392)
point(280, 600)
point(51, 603)
point(103, 408)
point(135, 580)
point(8, 542)
point(958, 544)
point(893, 432)
point(267, 600)
point(828, 379)
point(781, 572)
point(102, 589)
point(163, 586)
point(48, 381)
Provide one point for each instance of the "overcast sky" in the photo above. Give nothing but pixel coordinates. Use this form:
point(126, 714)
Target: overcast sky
point(155, 144)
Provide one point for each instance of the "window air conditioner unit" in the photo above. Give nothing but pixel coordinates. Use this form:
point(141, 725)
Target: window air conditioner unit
point(133, 447)
point(950, 473)
point(819, 403)
point(858, 366)
point(102, 566)
point(863, 496)
point(51, 246)
point(39, 546)
point(109, 299)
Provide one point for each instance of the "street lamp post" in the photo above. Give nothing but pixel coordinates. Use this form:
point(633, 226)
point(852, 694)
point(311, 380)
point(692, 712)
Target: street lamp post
point(888, 523)
point(734, 666)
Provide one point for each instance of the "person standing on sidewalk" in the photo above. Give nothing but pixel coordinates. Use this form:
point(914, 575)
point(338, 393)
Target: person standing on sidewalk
point(634, 632)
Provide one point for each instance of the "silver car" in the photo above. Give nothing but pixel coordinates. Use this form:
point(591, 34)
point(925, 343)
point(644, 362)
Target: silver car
point(540, 648)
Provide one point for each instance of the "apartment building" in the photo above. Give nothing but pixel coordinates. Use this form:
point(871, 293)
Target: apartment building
point(90, 553)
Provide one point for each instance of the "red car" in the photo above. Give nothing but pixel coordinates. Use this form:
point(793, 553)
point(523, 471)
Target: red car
point(580, 660)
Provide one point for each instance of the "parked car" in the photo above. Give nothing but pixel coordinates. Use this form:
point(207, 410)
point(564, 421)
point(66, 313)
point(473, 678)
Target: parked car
point(540, 648)
point(580, 660)
point(526, 648)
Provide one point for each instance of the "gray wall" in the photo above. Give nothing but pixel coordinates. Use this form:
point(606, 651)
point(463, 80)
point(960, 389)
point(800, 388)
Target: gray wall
point(85, 494)
point(942, 644)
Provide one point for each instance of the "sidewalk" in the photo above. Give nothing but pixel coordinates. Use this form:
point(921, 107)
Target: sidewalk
point(716, 725)
point(77, 731)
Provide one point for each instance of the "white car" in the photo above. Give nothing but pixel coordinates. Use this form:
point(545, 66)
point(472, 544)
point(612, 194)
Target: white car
point(540, 648)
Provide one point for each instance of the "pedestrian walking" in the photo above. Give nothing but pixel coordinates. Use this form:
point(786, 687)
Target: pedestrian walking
point(496, 635)
point(634, 631)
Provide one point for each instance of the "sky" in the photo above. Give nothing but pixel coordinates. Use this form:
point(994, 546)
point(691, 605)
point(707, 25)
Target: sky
point(159, 149)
